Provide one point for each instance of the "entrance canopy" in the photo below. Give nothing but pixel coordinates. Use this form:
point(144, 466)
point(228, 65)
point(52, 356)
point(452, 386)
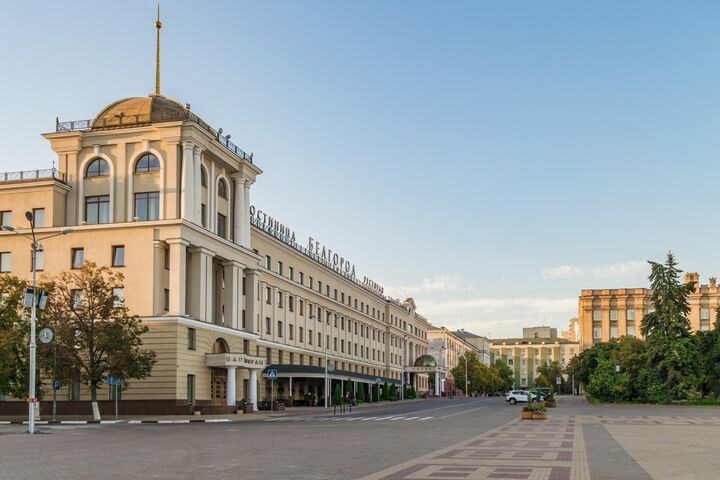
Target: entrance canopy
point(291, 371)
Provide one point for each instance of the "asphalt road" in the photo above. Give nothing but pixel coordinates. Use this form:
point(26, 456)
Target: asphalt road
point(435, 438)
point(309, 446)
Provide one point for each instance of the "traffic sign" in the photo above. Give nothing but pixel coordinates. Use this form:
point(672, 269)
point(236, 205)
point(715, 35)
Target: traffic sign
point(114, 381)
point(378, 380)
point(45, 335)
point(272, 374)
point(56, 384)
point(558, 380)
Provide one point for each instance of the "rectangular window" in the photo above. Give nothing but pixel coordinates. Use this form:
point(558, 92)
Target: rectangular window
point(268, 355)
point(191, 339)
point(244, 325)
point(310, 282)
point(291, 330)
point(190, 398)
point(280, 296)
point(301, 307)
point(301, 280)
point(268, 262)
point(203, 215)
point(291, 303)
point(631, 330)
point(77, 257)
point(147, 206)
point(342, 346)
point(319, 342)
point(280, 268)
point(596, 315)
point(166, 260)
point(38, 217)
point(166, 300)
point(597, 333)
point(97, 209)
point(613, 331)
point(6, 217)
point(118, 297)
point(613, 315)
point(268, 295)
point(630, 314)
point(77, 298)
point(246, 346)
point(335, 343)
point(279, 332)
point(291, 273)
point(704, 313)
point(39, 261)
point(335, 293)
point(4, 262)
point(319, 286)
point(118, 255)
point(310, 337)
point(221, 225)
point(267, 325)
point(301, 335)
point(327, 290)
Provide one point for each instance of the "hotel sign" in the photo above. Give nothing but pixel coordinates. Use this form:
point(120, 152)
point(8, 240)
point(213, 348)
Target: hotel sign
point(314, 249)
point(421, 369)
point(234, 360)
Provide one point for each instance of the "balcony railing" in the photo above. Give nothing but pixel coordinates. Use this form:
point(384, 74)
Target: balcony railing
point(25, 175)
point(146, 119)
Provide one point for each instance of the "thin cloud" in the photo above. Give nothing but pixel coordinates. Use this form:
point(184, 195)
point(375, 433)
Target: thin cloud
point(486, 306)
point(632, 269)
point(441, 283)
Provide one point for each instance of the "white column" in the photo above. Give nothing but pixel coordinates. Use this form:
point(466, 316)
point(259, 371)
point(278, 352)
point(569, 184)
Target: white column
point(437, 382)
point(251, 289)
point(252, 386)
point(231, 385)
point(239, 212)
point(290, 393)
point(177, 275)
point(187, 191)
point(197, 185)
point(246, 214)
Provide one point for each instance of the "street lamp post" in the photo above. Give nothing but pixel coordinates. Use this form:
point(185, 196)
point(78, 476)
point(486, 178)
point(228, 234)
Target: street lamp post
point(35, 246)
point(464, 357)
point(402, 368)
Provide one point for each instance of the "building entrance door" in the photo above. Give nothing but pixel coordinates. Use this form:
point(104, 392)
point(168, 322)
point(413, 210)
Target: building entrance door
point(218, 386)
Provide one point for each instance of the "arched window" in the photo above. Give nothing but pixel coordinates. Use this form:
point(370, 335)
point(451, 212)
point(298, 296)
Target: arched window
point(97, 168)
point(147, 163)
point(222, 189)
point(221, 346)
point(203, 177)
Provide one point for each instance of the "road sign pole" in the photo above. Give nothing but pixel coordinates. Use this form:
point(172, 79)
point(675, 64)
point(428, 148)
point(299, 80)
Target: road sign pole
point(54, 380)
point(272, 401)
point(116, 400)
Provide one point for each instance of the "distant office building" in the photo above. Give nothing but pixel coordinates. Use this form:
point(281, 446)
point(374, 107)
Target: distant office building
point(537, 346)
point(612, 313)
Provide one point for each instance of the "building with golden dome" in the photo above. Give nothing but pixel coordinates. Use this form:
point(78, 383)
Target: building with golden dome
point(226, 290)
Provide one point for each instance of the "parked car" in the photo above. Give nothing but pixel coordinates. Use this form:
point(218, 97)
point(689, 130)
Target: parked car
point(542, 392)
point(516, 396)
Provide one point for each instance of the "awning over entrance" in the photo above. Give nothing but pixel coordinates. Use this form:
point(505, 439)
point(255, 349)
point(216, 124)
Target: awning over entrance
point(289, 371)
point(226, 360)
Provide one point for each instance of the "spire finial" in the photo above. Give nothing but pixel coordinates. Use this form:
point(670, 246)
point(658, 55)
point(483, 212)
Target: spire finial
point(158, 26)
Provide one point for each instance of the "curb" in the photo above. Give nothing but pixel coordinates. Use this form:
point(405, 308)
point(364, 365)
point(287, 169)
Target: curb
point(112, 422)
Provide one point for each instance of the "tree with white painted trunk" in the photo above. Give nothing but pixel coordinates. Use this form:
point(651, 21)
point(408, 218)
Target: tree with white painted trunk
point(95, 333)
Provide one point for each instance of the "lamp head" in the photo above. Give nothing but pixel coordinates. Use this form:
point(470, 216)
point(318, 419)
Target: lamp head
point(29, 216)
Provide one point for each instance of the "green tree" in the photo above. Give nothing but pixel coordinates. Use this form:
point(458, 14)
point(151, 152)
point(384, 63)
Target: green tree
point(95, 334)
point(606, 384)
point(669, 373)
point(385, 394)
point(392, 393)
point(361, 393)
point(706, 364)
point(505, 375)
point(541, 381)
point(337, 398)
point(375, 392)
point(14, 339)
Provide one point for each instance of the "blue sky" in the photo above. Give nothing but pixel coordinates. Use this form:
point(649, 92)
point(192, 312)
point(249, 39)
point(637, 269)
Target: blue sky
point(490, 159)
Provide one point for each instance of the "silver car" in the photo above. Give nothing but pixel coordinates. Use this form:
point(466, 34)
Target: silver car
point(516, 396)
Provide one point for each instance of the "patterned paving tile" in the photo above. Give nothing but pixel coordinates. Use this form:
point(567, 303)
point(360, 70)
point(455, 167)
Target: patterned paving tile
point(521, 449)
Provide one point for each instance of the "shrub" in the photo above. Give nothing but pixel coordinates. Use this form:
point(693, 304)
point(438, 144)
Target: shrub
point(361, 394)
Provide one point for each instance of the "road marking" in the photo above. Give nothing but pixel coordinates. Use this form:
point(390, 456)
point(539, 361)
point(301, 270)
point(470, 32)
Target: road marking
point(411, 418)
point(426, 418)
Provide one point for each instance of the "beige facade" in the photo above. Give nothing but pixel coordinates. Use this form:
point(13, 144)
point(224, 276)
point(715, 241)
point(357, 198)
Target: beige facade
point(207, 272)
point(538, 345)
point(447, 347)
point(612, 313)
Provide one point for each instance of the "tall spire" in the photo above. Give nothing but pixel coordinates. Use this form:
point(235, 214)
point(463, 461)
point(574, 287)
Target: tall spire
point(158, 26)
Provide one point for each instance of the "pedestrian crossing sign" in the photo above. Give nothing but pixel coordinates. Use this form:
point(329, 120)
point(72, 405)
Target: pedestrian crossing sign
point(272, 373)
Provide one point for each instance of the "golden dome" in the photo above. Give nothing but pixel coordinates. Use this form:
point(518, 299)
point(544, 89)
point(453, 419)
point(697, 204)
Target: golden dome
point(138, 111)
